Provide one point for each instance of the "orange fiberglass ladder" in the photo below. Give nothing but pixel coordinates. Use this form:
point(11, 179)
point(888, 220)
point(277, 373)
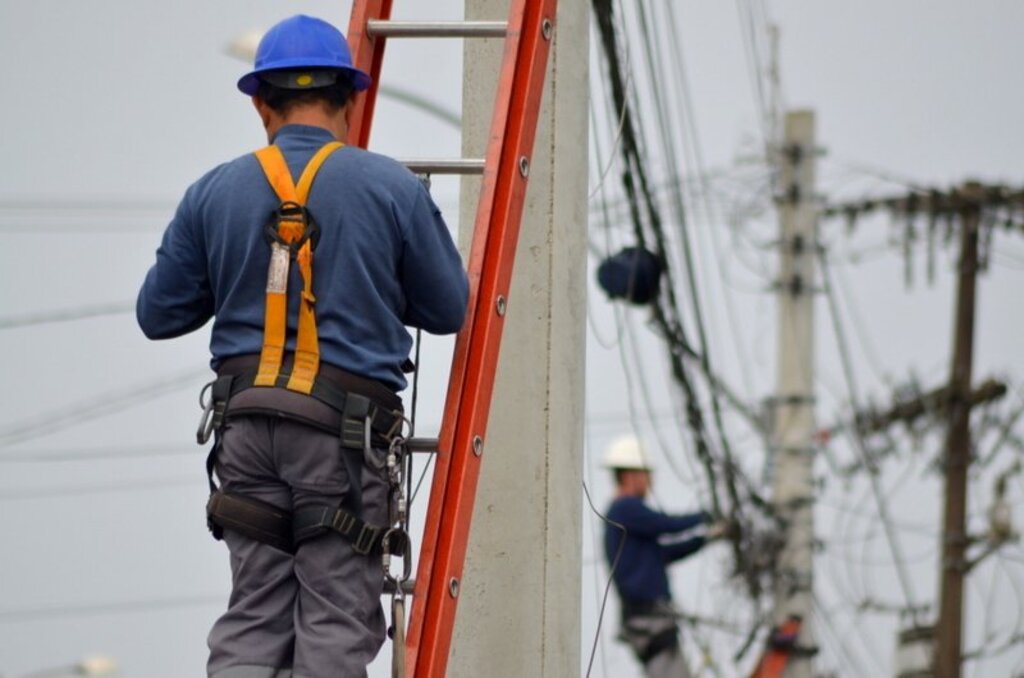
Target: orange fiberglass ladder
point(505, 168)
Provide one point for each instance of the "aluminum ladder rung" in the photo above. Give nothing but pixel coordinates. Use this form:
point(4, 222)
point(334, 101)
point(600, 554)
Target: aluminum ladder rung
point(459, 166)
point(377, 28)
point(421, 444)
point(408, 586)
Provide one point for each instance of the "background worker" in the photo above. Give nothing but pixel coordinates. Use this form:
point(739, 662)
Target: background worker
point(638, 552)
point(305, 604)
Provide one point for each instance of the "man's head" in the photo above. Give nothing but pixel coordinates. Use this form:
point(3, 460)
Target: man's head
point(626, 458)
point(633, 482)
point(303, 73)
point(277, 91)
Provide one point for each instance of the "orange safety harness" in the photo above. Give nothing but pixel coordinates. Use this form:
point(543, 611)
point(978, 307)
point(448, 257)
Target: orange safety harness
point(292, 236)
point(293, 233)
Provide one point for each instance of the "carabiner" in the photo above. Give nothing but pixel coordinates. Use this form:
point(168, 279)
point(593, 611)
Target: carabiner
point(385, 545)
point(207, 422)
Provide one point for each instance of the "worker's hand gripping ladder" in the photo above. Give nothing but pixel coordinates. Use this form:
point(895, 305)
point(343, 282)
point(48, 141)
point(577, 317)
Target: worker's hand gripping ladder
point(505, 169)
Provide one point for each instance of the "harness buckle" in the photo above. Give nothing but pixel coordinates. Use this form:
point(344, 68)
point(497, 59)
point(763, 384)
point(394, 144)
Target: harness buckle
point(342, 522)
point(364, 542)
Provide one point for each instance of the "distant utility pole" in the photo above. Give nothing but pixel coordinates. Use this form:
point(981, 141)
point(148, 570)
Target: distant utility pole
point(967, 204)
point(949, 630)
point(793, 430)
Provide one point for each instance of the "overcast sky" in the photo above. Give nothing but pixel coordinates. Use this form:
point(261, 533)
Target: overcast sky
point(112, 109)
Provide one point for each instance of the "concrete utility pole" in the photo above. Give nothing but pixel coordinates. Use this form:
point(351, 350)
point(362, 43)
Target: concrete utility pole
point(792, 481)
point(949, 630)
point(519, 609)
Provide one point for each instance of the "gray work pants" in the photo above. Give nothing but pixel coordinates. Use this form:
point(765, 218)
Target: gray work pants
point(314, 615)
point(654, 639)
point(668, 663)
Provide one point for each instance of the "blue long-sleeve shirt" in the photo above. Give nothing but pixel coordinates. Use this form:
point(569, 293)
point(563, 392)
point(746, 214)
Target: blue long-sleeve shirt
point(384, 261)
point(640, 574)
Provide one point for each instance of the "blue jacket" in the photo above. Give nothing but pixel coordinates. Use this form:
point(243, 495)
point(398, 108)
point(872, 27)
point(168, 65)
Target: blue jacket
point(640, 574)
point(385, 260)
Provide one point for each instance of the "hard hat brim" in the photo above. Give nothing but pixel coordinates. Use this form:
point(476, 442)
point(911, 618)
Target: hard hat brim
point(250, 82)
point(629, 467)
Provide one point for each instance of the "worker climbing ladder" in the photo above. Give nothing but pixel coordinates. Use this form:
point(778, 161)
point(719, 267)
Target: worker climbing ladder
point(505, 171)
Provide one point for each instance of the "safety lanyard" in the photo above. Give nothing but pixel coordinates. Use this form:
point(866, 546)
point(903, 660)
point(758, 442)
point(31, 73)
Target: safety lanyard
point(291, 232)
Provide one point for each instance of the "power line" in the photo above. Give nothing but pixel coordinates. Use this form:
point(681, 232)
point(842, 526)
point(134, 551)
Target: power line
point(690, 126)
point(95, 407)
point(121, 607)
point(44, 456)
point(104, 207)
point(66, 315)
point(611, 574)
point(26, 494)
point(649, 230)
point(860, 445)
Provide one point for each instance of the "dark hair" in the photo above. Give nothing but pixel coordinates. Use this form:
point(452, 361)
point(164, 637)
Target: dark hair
point(333, 97)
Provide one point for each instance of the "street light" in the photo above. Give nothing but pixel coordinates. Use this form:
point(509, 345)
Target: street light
point(244, 47)
point(97, 665)
point(91, 665)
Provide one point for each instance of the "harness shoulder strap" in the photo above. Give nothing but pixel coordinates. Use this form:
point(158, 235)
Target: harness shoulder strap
point(307, 347)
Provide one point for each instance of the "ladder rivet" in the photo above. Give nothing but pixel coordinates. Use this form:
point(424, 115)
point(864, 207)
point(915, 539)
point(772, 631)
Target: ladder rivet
point(524, 166)
point(545, 29)
point(453, 587)
point(500, 305)
point(478, 445)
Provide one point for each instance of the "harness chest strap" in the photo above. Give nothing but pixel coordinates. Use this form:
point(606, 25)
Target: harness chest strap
point(275, 323)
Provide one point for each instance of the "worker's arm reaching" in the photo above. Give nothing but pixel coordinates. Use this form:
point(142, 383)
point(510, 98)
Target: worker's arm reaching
point(640, 520)
point(678, 550)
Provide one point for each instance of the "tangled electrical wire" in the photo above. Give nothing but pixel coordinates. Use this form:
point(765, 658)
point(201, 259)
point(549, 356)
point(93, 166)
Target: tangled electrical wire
point(733, 496)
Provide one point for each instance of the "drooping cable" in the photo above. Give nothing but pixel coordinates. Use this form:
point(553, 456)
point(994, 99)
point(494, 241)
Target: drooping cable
point(645, 216)
point(657, 75)
point(120, 607)
point(649, 232)
point(96, 406)
point(66, 315)
point(611, 574)
point(859, 442)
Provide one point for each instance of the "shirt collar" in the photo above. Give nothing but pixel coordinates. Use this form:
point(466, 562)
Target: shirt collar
point(299, 134)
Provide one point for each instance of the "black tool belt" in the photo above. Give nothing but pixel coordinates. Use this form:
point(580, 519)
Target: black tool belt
point(649, 627)
point(339, 403)
point(648, 608)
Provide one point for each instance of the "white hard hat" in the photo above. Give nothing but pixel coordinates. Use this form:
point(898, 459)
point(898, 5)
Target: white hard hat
point(626, 453)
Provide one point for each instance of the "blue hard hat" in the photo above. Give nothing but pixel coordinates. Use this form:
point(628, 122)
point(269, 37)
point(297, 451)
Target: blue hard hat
point(302, 42)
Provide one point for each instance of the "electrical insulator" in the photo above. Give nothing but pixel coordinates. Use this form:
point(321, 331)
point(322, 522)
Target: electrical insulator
point(1000, 520)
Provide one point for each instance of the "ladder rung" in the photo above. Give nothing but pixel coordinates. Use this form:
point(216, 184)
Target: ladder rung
point(460, 166)
point(421, 444)
point(436, 29)
point(408, 586)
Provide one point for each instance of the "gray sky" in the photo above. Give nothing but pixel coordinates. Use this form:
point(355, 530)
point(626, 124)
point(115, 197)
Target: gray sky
point(114, 108)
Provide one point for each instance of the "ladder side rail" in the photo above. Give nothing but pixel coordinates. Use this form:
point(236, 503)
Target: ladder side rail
point(460, 357)
point(512, 135)
point(368, 55)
